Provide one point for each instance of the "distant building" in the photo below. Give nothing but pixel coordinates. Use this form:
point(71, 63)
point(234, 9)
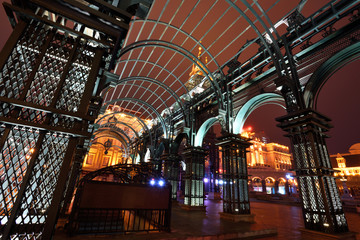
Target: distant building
point(269, 166)
point(348, 165)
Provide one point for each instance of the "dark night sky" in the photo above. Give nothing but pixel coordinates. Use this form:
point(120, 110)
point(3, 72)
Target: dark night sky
point(339, 100)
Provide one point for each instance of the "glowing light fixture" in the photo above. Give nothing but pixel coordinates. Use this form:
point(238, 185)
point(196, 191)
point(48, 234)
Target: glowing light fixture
point(161, 183)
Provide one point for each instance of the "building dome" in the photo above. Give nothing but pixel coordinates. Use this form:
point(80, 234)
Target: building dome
point(355, 149)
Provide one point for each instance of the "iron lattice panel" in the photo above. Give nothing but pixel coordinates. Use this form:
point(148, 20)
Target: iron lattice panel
point(195, 171)
point(62, 121)
point(32, 115)
point(19, 66)
point(91, 220)
point(50, 70)
point(76, 79)
point(321, 203)
point(235, 195)
point(39, 191)
point(15, 156)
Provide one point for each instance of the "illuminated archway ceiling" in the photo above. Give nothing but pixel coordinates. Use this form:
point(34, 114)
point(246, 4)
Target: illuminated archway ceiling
point(162, 50)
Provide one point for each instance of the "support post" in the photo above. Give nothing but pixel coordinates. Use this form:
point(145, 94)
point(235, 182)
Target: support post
point(321, 205)
point(171, 172)
point(194, 184)
point(236, 205)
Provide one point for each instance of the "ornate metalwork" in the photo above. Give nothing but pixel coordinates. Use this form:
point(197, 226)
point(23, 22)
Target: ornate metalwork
point(235, 176)
point(47, 77)
point(171, 171)
point(321, 203)
point(195, 170)
point(107, 220)
point(122, 173)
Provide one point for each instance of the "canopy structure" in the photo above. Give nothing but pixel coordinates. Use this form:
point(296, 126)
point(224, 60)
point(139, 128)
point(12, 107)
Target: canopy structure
point(182, 49)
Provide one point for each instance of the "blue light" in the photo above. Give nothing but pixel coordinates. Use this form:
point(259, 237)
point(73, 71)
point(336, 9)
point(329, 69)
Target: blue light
point(288, 176)
point(221, 182)
point(206, 180)
point(152, 182)
point(161, 183)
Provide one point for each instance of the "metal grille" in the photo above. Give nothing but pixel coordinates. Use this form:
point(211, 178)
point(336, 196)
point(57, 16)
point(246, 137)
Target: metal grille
point(76, 79)
point(39, 191)
point(45, 69)
point(17, 70)
point(195, 171)
point(62, 121)
point(32, 115)
point(120, 220)
point(235, 176)
point(321, 202)
point(50, 70)
point(15, 156)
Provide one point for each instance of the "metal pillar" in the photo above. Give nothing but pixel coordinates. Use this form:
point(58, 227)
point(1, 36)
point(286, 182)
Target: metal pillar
point(194, 177)
point(40, 131)
point(235, 176)
point(322, 209)
point(49, 73)
point(171, 172)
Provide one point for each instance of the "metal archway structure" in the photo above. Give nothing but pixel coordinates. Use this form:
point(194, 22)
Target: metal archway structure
point(204, 129)
point(145, 104)
point(325, 71)
point(252, 104)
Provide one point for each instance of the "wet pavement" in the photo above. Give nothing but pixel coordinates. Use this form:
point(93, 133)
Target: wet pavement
point(285, 219)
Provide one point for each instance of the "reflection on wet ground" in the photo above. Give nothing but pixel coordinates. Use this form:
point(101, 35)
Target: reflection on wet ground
point(286, 219)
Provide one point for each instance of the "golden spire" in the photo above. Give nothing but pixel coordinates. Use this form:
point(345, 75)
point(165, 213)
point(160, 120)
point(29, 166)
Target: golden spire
point(195, 68)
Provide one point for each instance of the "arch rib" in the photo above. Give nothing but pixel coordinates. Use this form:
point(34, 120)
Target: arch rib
point(146, 104)
point(190, 56)
point(253, 104)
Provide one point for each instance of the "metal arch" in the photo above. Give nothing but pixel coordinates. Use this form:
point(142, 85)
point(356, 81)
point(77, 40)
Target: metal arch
point(115, 129)
point(144, 126)
point(253, 104)
point(172, 93)
point(157, 65)
point(152, 80)
point(202, 67)
point(324, 72)
point(181, 25)
point(203, 130)
point(146, 104)
point(117, 146)
point(122, 123)
point(249, 43)
point(139, 119)
point(108, 134)
point(261, 21)
point(117, 136)
point(140, 86)
point(258, 33)
point(126, 153)
point(188, 35)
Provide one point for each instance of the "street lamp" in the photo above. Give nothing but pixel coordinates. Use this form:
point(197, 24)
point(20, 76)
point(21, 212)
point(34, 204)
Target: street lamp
point(107, 145)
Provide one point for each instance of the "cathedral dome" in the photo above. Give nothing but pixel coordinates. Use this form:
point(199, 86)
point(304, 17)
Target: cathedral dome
point(355, 149)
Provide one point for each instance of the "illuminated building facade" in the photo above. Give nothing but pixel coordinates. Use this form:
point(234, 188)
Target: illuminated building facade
point(348, 165)
point(269, 166)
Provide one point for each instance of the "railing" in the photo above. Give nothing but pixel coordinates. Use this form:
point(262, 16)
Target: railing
point(89, 220)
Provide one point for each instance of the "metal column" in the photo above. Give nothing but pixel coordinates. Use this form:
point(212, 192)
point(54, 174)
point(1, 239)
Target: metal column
point(194, 178)
point(235, 176)
point(322, 209)
point(171, 171)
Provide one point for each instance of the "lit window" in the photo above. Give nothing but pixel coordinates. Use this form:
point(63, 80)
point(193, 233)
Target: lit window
point(90, 159)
